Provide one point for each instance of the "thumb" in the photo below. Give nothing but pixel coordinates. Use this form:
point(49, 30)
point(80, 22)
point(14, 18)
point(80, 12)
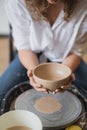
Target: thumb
point(29, 73)
point(73, 76)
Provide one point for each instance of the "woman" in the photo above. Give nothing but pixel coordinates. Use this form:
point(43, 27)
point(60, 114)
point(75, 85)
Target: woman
point(56, 28)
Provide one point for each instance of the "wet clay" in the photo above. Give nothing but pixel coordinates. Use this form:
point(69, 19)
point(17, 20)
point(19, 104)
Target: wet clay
point(47, 105)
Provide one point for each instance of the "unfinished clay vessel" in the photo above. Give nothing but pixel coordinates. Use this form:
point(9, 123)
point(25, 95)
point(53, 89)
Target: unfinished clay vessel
point(52, 75)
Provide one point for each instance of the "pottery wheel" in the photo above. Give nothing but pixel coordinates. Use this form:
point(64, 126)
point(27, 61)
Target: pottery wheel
point(68, 113)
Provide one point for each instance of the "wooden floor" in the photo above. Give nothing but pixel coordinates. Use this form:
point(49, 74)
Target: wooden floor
point(4, 54)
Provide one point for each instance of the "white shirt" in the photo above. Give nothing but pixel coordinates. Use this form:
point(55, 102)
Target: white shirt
point(55, 42)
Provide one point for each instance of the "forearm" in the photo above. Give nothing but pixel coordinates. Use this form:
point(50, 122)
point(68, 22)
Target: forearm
point(72, 61)
point(28, 59)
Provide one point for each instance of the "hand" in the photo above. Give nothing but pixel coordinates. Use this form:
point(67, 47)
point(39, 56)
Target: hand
point(65, 87)
point(36, 86)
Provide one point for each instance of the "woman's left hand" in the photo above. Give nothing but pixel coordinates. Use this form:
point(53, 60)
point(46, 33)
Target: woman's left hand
point(65, 87)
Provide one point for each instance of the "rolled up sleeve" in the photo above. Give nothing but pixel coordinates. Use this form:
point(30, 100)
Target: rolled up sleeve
point(80, 45)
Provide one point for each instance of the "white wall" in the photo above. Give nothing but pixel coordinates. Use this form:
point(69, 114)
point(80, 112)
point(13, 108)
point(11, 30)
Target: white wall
point(4, 28)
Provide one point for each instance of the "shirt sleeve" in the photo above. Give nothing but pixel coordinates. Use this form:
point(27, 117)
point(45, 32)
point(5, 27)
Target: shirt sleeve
point(80, 45)
point(20, 22)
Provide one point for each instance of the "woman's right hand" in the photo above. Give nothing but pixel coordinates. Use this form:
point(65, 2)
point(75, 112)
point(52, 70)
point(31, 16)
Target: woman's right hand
point(36, 86)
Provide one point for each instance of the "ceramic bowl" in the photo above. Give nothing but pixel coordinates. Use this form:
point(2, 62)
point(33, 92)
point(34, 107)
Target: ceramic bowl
point(20, 118)
point(52, 75)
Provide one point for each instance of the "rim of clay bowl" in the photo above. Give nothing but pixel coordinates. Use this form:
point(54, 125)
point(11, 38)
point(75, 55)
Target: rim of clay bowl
point(47, 80)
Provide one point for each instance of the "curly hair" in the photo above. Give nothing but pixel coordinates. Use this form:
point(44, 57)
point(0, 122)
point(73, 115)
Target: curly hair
point(38, 8)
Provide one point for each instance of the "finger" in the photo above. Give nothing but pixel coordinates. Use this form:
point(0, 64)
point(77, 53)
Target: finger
point(66, 86)
point(71, 79)
point(54, 92)
point(33, 83)
point(73, 76)
point(63, 88)
point(29, 73)
point(41, 89)
point(36, 86)
point(58, 90)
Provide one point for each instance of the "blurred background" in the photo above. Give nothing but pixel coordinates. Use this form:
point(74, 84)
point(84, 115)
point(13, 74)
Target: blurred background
point(5, 41)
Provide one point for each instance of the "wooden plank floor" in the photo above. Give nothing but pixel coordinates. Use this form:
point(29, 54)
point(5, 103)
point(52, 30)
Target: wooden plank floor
point(4, 54)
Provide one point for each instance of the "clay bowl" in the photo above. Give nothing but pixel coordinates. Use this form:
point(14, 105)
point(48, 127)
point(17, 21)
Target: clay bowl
point(52, 75)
